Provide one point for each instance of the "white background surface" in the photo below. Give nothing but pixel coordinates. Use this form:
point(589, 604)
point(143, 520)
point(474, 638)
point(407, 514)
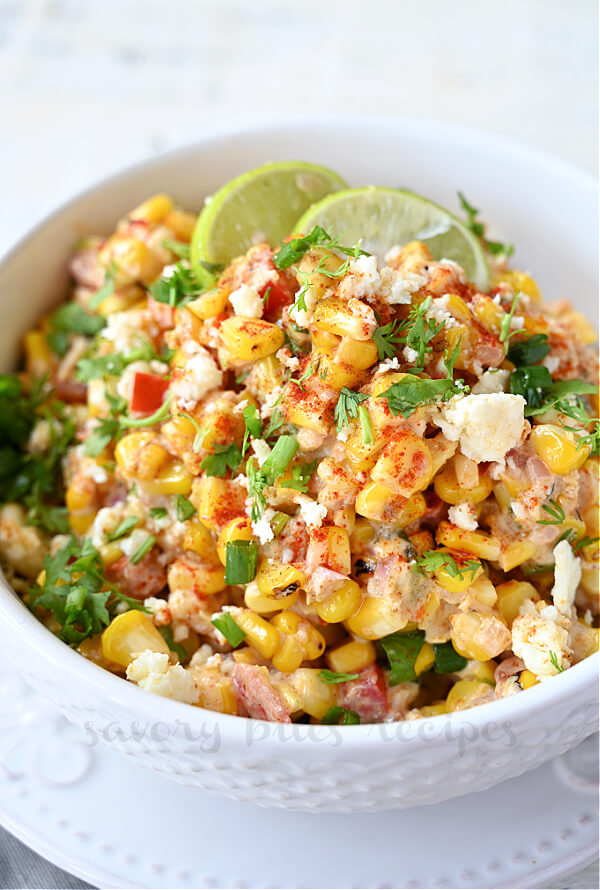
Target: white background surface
point(87, 86)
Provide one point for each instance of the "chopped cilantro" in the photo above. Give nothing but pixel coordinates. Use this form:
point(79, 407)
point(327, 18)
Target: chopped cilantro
point(405, 396)
point(555, 511)
point(184, 509)
point(292, 251)
point(420, 331)
point(447, 659)
point(434, 560)
point(253, 423)
point(402, 651)
point(386, 338)
point(301, 474)
point(529, 351)
point(331, 677)
point(337, 716)
point(347, 407)
point(158, 513)
point(223, 457)
point(71, 318)
point(178, 289)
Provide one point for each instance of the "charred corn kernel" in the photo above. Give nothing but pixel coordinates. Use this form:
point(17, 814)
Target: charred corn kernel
point(477, 543)
point(129, 634)
point(261, 635)
point(511, 596)
point(181, 224)
point(216, 691)
point(447, 488)
point(374, 619)
point(422, 541)
point(202, 579)
point(337, 374)
point(173, 478)
point(362, 534)
point(249, 339)
point(558, 448)
point(372, 500)
point(324, 342)
point(405, 465)
point(488, 314)
point(477, 636)
point(153, 210)
point(484, 592)
point(360, 354)
point(590, 579)
point(351, 658)
point(362, 457)
point(425, 659)
point(316, 697)
point(334, 316)
point(246, 655)
point(289, 655)
point(465, 693)
point(302, 413)
point(266, 605)
point(520, 281)
point(133, 259)
point(129, 448)
point(457, 307)
point(515, 554)
point(199, 540)
point(239, 529)
point(527, 679)
point(434, 710)
point(341, 604)
point(291, 624)
point(209, 304)
point(38, 355)
point(479, 670)
point(121, 300)
point(290, 696)
point(110, 553)
point(466, 577)
point(274, 579)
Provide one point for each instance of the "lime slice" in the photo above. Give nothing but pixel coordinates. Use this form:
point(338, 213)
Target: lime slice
point(261, 205)
point(381, 218)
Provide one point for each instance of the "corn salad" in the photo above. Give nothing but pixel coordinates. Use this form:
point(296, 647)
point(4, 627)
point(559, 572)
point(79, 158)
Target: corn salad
point(312, 486)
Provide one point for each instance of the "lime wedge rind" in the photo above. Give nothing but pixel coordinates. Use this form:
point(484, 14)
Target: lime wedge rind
point(381, 218)
point(260, 205)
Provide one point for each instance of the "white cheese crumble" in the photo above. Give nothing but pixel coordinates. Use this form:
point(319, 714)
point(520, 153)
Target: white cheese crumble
point(551, 362)
point(491, 381)
point(487, 426)
point(261, 450)
point(540, 636)
point(390, 364)
point(411, 355)
point(97, 473)
point(159, 608)
point(438, 311)
point(247, 302)
point(126, 329)
point(464, 516)
point(40, 438)
point(567, 575)
point(363, 279)
point(105, 521)
point(153, 673)
point(200, 375)
point(262, 527)
point(311, 512)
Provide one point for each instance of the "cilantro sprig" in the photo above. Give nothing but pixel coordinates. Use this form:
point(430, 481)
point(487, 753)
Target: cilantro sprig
point(434, 560)
point(222, 458)
point(77, 593)
point(555, 511)
point(337, 716)
point(387, 338)
point(71, 318)
point(420, 331)
point(347, 407)
point(541, 393)
point(272, 469)
point(178, 288)
point(294, 250)
point(529, 351)
point(408, 394)
point(333, 677)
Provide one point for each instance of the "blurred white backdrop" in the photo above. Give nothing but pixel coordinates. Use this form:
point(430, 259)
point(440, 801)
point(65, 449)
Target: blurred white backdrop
point(91, 85)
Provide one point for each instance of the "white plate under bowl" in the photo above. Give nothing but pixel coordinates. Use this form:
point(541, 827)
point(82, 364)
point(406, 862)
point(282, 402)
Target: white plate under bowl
point(93, 813)
point(548, 209)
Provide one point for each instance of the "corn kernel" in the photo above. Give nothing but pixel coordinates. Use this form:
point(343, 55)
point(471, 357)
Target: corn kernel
point(238, 529)
point(351, 658)
point(512, 595)
point(181, 223)
point(129, 634)
point(261, 635)
point(405, 465)
point(153, 210)
point(199, 540)
point(425, 659)
point(209, 304)
point(334, 316)
point(519, 281)
point(465, 693)
point(316, 697)
point(173, 478)
point(266, 605)
point(274, 579)
point(478, 636)
point(216, 691)
point(249, 339)
point(38, 355)
point(341, 604)
point(527, 679)
point(515, 554)
point(466, 577)
point(447, 488)
point(477, 543)
point(374, 619)
point(359, 354)
point(559, 449)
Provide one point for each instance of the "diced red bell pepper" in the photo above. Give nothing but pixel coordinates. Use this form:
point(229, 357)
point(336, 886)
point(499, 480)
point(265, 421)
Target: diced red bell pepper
point(147, 392)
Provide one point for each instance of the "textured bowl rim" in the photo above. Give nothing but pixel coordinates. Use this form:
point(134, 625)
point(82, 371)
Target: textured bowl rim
point(581, 679)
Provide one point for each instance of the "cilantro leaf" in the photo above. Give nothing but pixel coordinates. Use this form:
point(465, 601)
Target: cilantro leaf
point(529, 351)
point(73, 318)
point(420, 331)
point(402, 651)
point(292, 251)
point(332, 677)
point(531, 382)
point(223, 457)
point(386, 338)
point(337, 716)
point(108, 288)
point(447, 659)
point(178, 288)
point(434, 560)
point(347, 407)
point(555, 511)
point(301, 474)
point(253, 423)
point(184, 509)
point(123, 527)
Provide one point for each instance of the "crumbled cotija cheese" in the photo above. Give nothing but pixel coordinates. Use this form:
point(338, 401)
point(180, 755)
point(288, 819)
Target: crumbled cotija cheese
point(540, 634)
point(487, 426)
point(127, 329)
point(567, 575)
point(261, 450)
point(200, 375)
point(262, 527)
point(134, 541)
point(464, 516)
point(311, 512)
point(153, 673)
point(247, 302)
point(491, 381)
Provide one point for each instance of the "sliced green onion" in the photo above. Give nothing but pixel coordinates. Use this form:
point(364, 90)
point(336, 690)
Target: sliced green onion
point(232, 632)
point(337, 716)
point(365, 422)
point(184, 508)
point(330, 677)
point(144, 548)
point(123, 527)
point(240, 562)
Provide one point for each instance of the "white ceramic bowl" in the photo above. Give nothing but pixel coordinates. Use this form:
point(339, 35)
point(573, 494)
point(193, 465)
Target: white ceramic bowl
point(544, 206)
